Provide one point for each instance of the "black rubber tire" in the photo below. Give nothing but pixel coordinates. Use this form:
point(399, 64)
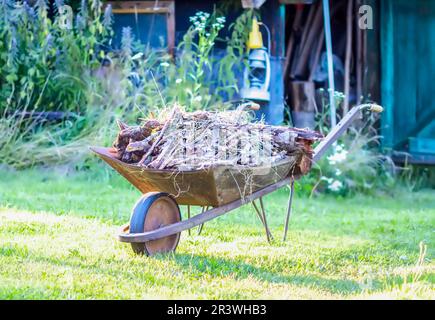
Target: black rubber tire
point(139, 215)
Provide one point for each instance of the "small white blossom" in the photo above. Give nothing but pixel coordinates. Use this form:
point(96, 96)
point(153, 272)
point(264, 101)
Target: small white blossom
point(164, 64)
point(338, 156)
point(335, 186)
point(328, 180)
point(178, 81)
point(339, 147)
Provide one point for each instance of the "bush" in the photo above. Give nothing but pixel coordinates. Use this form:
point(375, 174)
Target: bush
point(45, 67)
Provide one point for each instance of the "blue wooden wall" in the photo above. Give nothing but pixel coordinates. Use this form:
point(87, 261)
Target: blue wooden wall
point(408, 77)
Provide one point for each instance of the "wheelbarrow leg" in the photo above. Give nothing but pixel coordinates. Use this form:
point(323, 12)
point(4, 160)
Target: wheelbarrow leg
point(188, 217)
point(201, 226)
point(289, 209)
point(262, 216)
point(257, 211)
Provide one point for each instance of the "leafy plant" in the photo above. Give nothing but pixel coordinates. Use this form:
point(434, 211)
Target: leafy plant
point(234, 60)
point(195, 63)
point(43, 62)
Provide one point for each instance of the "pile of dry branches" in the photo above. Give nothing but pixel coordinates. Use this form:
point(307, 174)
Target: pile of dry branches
point(198, 140)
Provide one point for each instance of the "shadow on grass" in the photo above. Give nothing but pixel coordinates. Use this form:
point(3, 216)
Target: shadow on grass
point(212, 266)
point(197, 266)
point(205, 267)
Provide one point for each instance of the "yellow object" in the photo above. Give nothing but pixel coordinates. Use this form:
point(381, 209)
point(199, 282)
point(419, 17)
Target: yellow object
point(255, 40)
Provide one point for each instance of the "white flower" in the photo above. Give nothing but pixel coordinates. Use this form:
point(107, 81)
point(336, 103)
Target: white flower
point(338, 156)
point(178, 81)
point(220, 20)
point(164, 64)
point(337, 172)
point(198, 98)
point(335, 186)
point(328, 180)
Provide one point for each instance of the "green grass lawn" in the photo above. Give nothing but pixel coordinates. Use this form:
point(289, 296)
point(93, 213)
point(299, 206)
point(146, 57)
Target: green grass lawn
point(57, 241)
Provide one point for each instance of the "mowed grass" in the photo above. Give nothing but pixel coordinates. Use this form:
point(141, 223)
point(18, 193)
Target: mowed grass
point(57, 241)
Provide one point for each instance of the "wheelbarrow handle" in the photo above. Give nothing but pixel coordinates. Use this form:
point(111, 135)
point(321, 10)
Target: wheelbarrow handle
point(376, 108)
point(341, 127)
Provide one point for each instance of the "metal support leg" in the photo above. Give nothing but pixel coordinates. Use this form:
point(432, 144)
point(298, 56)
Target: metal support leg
point(262, 215)
point(188, 217)
point(201, 226)
point(258, 212)
point(289, 208)
point(264, 218)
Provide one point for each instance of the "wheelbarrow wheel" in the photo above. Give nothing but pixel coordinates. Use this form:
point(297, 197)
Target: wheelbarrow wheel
point(153, 211)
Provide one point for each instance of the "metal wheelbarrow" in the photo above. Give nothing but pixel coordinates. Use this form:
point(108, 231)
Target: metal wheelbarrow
point(155, 224)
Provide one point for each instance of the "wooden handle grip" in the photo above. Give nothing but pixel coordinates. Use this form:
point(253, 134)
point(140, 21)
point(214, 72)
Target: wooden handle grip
point(376, 108)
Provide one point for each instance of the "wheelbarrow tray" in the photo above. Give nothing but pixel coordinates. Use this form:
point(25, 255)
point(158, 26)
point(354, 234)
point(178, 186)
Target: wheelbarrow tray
point(214, 186)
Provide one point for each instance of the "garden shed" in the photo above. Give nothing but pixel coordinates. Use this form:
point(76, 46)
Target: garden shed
point(407, 78)
point(393, 64)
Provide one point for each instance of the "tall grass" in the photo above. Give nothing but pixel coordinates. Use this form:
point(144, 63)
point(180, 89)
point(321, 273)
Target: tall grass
point(47, 67)
point(27, 141)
